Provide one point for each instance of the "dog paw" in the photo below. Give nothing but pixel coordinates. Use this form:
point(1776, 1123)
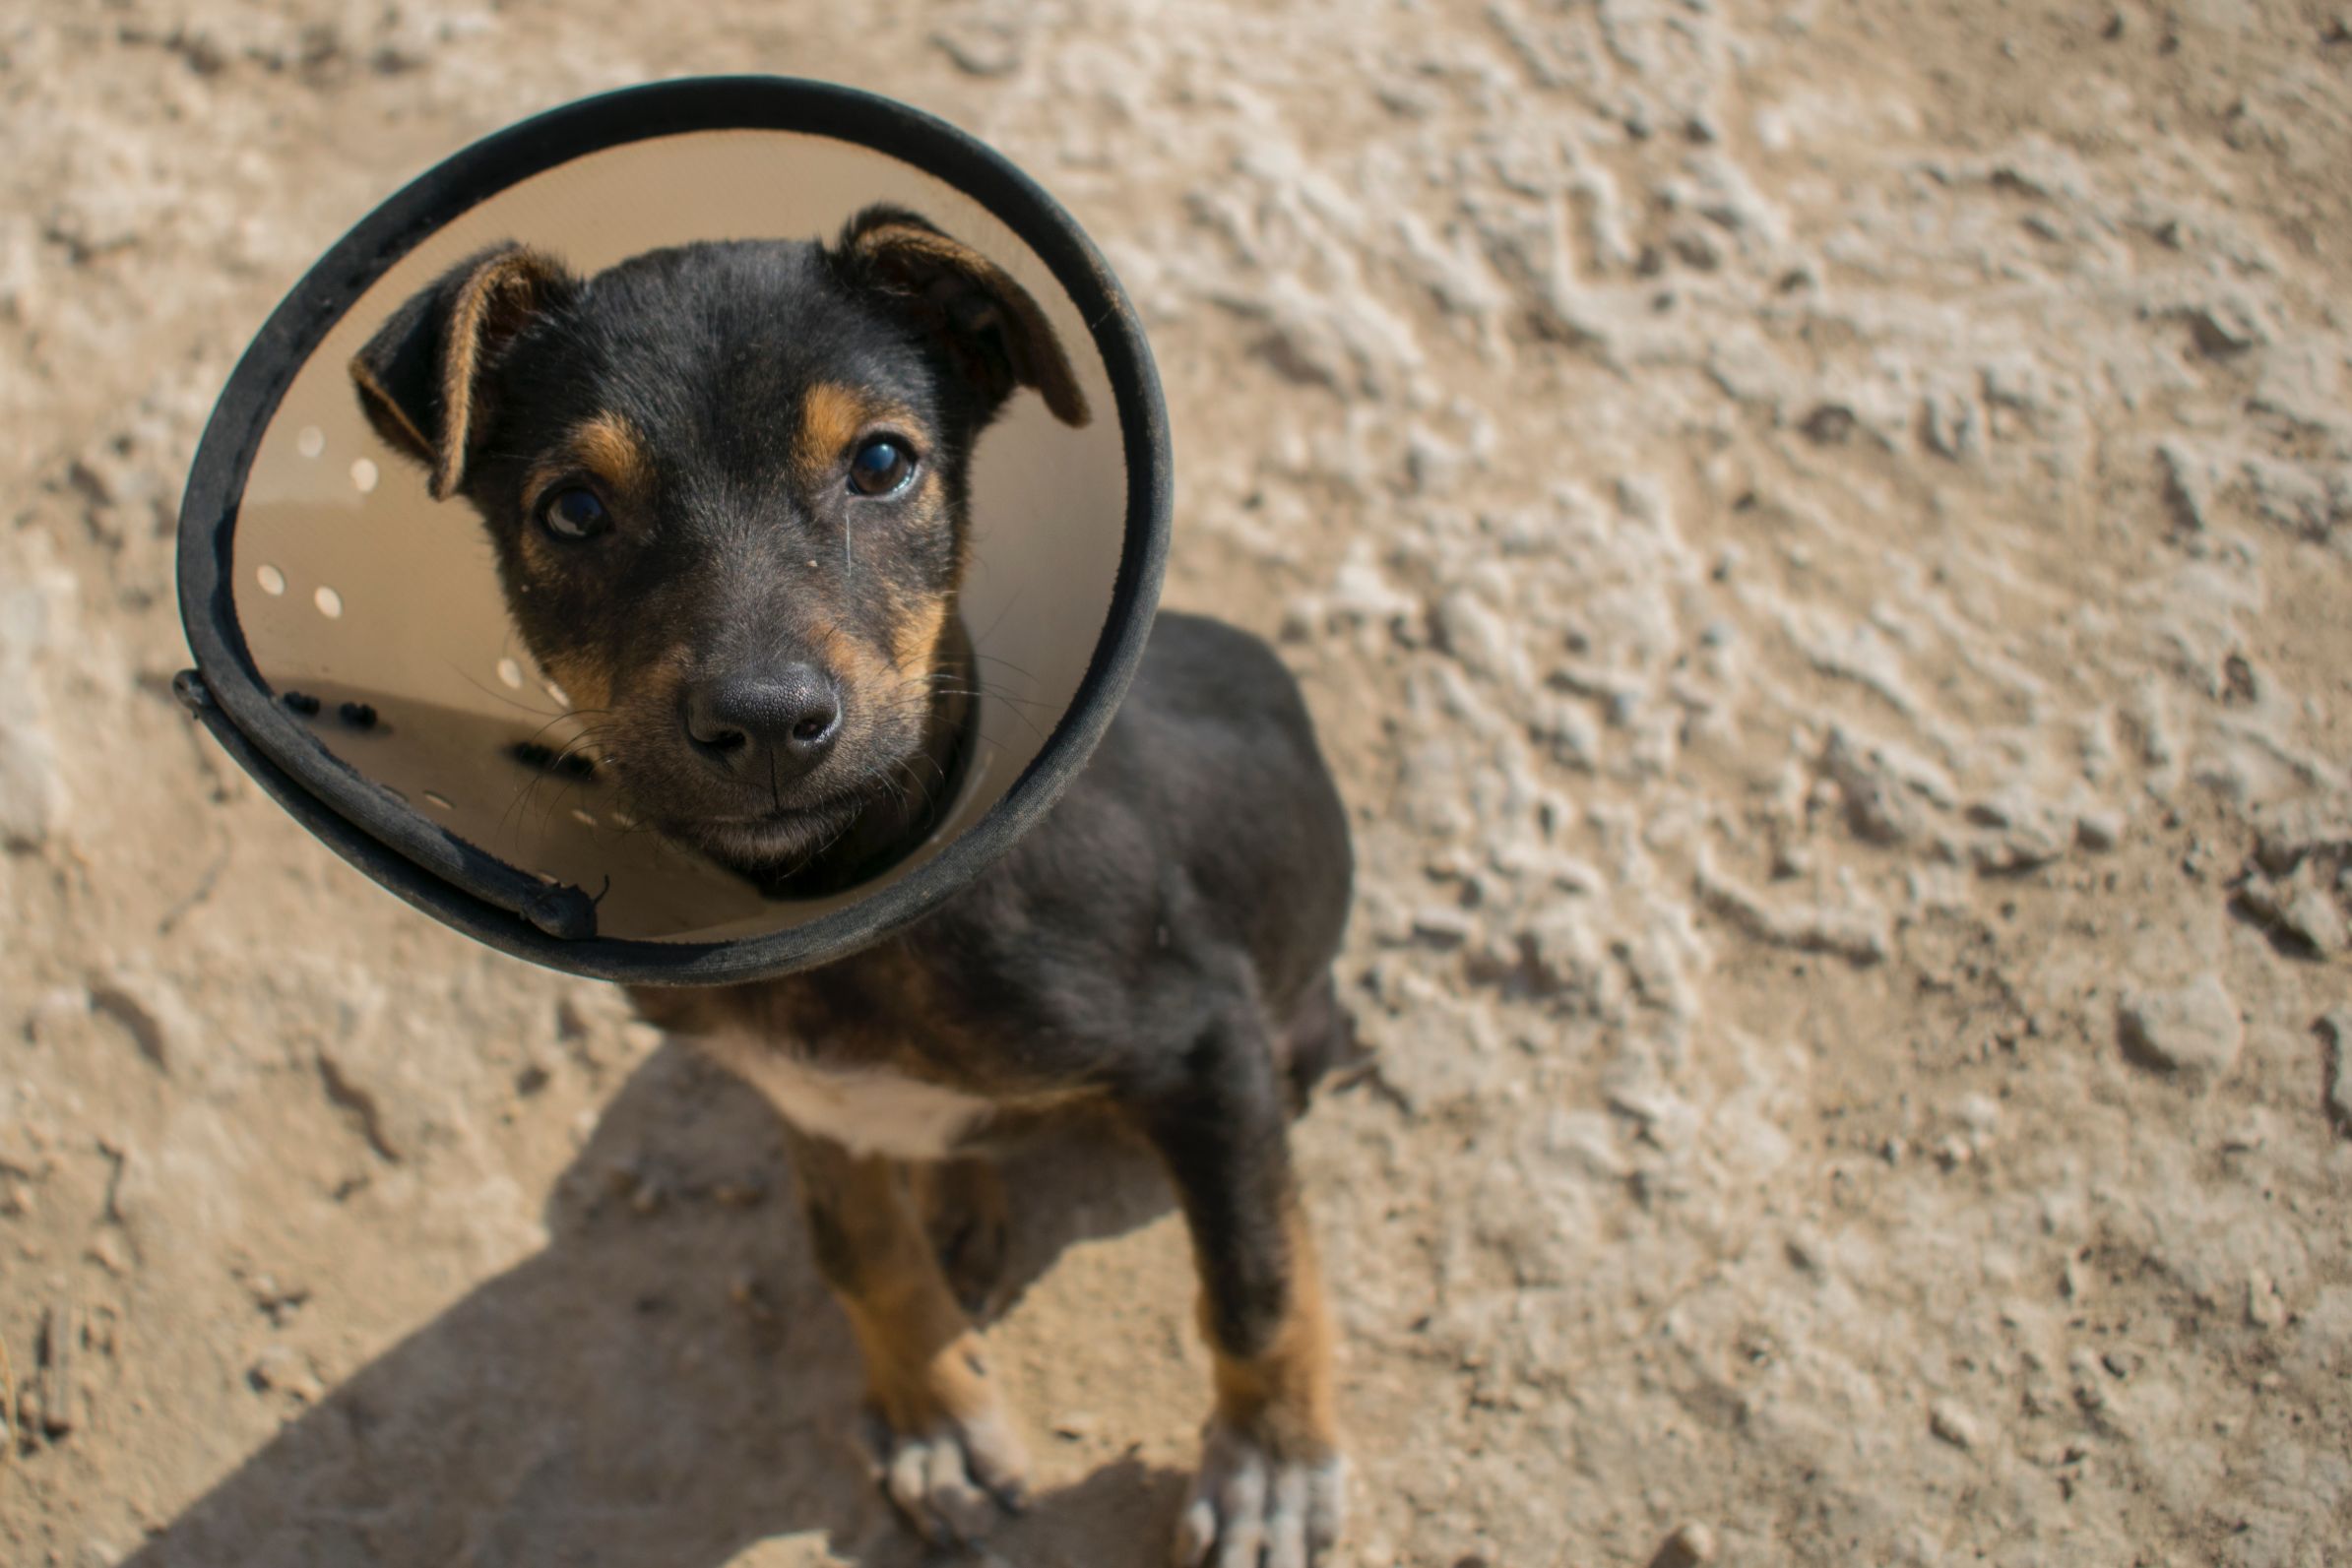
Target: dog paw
point(951, 1479)
point(1252, 1508)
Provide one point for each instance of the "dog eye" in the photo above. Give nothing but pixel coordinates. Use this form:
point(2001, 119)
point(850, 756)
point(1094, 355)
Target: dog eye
point(879, 467)
point(574, 515)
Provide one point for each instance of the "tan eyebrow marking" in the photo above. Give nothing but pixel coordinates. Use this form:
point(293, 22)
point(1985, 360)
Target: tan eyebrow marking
point(832, 415)
point(498, 296)
point(606, 447)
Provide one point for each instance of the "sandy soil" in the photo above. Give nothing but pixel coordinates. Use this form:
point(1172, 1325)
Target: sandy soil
point(1819, 537)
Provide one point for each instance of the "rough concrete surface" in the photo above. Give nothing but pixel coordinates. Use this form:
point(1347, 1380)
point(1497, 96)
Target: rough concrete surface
point(1818, 536)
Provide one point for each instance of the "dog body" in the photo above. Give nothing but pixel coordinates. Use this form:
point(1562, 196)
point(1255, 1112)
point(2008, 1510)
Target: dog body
point(726, 488)
point(1143, 909)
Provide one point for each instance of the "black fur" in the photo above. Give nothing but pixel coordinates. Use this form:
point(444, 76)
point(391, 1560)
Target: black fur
point(1162, 943)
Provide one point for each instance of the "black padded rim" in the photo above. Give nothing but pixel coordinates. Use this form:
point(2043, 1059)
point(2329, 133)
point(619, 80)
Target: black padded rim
point(469, 889)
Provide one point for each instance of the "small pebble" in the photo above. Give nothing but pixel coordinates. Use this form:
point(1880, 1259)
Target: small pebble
point(2313, 916)
point(2264, 1309)
point(981, 48)
point(282, 1368)
point(2337, 1026)
point(1953, 1425)
point(107, 1253)
point(54, 1399)
point(2099, 831)
point(1689, 1545)
point(2193, 1031)
point(1828, 423)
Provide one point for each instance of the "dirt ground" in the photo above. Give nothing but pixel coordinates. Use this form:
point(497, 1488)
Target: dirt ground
point(1818, 536)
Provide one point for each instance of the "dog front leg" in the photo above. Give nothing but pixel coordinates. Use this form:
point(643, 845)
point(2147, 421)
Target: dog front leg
point(942, 1447)
point(969, 1219)
point(1272, 1478)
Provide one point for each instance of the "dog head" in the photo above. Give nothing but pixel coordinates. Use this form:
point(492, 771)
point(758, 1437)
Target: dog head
point(726, 485)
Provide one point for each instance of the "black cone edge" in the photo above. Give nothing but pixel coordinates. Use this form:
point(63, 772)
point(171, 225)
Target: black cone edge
point(464, 886)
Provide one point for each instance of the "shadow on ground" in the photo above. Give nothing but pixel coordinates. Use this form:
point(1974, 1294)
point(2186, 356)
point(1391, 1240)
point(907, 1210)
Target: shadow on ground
point(614, 1402)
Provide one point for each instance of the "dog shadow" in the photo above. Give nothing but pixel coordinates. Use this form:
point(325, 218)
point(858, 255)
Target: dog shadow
point(663, 1386)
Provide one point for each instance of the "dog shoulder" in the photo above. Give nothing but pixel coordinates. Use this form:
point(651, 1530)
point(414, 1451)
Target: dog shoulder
point(1208, 667)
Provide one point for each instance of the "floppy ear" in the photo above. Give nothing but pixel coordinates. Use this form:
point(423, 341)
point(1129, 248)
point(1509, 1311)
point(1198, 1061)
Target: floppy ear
point(993, 330)
point(423, 377)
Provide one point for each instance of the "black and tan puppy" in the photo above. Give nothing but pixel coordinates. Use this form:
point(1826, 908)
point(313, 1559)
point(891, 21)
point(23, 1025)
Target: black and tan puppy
point(726, 485)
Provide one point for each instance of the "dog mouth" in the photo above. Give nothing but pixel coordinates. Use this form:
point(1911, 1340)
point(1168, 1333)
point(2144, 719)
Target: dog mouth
point(768, 841)
point(855, 813)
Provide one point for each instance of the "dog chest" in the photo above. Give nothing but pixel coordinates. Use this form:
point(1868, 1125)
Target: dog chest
point(871, 1111)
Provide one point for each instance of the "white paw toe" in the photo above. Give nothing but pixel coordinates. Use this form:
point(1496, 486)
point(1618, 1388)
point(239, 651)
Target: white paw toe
point(1251, 1509)
point(951, 1481)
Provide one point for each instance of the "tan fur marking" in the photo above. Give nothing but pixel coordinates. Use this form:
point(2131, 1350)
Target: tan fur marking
point(915, 638)
point(1286, 1396)
point(831, 415)
point(857, 668)
point(608, 450)
point(499, 295)
point(458, 361)
point(587, 682)
point(923, 1362)
point(607, 447)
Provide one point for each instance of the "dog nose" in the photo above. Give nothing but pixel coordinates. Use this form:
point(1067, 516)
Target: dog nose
point(776, 723)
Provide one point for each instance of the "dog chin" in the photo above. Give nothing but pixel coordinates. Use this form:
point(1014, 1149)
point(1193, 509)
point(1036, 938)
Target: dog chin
point(766, 846)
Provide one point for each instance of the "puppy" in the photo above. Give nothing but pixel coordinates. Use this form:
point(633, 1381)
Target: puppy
point(728, 488)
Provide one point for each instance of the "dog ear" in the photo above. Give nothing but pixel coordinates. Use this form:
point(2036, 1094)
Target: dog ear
point(991, 328)
point(423, 377)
